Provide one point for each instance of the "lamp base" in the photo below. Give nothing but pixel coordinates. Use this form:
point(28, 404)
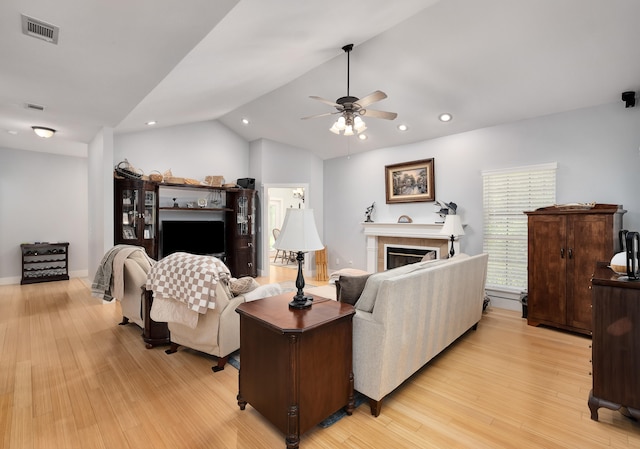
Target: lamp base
point(301, 302)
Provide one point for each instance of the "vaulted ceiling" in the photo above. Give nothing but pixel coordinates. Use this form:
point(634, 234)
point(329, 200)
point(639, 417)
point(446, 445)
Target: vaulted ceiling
point(121, 64)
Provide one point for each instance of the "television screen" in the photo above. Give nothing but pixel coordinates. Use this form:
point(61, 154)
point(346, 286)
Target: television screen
point(196, 237)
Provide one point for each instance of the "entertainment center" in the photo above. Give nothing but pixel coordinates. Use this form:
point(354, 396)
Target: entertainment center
point(162, 225)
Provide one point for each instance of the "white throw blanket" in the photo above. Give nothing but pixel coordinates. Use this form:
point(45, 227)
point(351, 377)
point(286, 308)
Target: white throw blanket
point(187, 278)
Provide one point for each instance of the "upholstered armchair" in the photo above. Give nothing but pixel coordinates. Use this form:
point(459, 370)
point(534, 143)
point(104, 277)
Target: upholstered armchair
point(197, 298)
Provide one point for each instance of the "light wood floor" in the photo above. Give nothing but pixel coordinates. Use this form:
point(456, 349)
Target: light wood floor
point(70, 377)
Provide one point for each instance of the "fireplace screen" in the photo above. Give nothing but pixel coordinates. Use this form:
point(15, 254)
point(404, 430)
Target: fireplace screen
point(397, 256)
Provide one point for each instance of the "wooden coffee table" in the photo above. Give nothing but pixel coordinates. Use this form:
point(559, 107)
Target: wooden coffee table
point(296, 365)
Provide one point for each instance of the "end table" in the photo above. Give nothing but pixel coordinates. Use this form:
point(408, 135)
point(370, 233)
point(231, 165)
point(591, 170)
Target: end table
point(296, 365)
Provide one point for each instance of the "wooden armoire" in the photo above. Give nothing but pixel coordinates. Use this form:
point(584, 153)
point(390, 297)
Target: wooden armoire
point(564, 244)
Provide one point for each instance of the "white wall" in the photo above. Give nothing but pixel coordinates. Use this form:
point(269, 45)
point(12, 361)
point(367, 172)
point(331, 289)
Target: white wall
point(43, 197)
point(100, 192)
point(277, 165)
point(194, 150)
point(597, 151)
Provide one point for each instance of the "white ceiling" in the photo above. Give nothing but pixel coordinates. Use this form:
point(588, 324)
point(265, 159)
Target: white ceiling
point(121, 63)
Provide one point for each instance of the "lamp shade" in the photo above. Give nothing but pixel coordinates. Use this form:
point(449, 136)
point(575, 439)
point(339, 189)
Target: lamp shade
point(452, 226)
point(299, 232)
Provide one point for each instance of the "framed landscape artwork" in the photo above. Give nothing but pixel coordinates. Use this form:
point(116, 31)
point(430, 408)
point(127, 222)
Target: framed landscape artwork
point(410, 182)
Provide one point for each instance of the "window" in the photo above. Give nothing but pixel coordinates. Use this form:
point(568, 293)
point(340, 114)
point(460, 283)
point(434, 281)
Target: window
point(507, 194)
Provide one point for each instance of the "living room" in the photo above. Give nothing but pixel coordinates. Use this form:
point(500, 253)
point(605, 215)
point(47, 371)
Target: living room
point(68, 195)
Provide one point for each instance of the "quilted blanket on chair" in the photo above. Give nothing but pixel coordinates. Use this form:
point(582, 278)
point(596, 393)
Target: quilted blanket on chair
point(188, 278)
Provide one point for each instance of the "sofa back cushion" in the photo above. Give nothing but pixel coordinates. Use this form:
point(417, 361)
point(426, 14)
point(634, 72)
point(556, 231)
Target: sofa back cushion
point(367, 299)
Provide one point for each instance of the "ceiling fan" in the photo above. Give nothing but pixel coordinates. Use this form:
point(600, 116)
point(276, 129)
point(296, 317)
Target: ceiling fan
point(352, 109)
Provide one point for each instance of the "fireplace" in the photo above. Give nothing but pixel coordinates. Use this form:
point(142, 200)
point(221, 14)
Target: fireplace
point(399, 255)
point(403, 235)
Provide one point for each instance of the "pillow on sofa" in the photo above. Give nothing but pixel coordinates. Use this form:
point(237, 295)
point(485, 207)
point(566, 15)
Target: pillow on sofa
point(345, 272)
point(349, 288)
point(264, 291)
point(243, 285)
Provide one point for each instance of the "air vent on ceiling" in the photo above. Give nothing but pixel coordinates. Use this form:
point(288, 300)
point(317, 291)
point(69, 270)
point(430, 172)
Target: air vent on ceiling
point(33, 106)
point(39, 29)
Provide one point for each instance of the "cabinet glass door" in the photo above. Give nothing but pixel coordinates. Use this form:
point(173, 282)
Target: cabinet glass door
point(129, 214)
point(149, 215)
point(242, 215)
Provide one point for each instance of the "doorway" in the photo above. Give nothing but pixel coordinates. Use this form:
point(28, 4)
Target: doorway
point(279, 198)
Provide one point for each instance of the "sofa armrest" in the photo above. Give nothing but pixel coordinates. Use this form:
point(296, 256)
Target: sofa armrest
point(368, 354)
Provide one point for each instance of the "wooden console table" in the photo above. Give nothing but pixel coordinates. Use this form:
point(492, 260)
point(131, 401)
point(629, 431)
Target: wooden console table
point(296, 365)
point(616, 343)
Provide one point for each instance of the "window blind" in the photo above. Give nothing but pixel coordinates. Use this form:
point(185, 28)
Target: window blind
point(507, 194)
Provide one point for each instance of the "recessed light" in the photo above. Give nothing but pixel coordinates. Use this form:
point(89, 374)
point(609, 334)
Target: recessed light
point(445, 117)
point(151, 123)
point(403, 127)
point(362, 136)
point(245, 121)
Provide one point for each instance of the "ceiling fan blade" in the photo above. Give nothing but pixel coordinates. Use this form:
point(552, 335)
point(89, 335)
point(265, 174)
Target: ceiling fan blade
point(329, 102)
point(318, 115)
point(371, 98)
point(379, 114)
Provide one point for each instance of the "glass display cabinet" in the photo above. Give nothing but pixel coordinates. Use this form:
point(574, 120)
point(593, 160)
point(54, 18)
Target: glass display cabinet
point(241, 233)
point(136, 214)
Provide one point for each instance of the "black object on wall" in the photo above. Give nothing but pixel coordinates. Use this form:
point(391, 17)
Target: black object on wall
point(629, 99)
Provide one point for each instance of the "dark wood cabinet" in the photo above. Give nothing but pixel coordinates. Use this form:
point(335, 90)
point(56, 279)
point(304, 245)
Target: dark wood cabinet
point(136, 214)
point(616, 343)
point(241, 232)
point(563, 246)
point(137, 219)
point(296, 364)
point(44, 262)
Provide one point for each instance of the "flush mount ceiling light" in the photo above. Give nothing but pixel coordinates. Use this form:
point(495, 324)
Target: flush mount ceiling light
point(445, 117)
point(352, 109)
point(43, 132)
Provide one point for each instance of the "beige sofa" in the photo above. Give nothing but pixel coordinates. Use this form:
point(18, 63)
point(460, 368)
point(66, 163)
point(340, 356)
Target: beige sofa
point(408, 315)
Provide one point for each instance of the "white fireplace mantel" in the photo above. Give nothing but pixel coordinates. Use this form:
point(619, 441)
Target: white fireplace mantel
point(411, 230)
point(373, 230)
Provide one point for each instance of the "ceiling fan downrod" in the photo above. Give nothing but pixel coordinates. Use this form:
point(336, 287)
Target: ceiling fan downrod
point(347, 48)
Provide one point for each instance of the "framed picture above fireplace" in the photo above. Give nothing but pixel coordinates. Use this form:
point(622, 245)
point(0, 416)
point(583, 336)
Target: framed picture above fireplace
point(410, 182)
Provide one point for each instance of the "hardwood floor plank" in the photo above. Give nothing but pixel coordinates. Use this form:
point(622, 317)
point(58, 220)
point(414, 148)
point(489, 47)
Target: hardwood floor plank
point(71, 377)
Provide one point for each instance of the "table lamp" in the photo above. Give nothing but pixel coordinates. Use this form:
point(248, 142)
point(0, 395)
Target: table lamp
point(452, 226)
point(299, 234)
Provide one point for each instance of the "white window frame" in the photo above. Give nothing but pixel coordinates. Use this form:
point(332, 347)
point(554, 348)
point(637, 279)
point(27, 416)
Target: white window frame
point(506, 195)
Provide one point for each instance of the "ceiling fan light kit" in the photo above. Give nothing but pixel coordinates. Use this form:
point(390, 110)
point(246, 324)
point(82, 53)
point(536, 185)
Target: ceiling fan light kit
point(352, 109)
